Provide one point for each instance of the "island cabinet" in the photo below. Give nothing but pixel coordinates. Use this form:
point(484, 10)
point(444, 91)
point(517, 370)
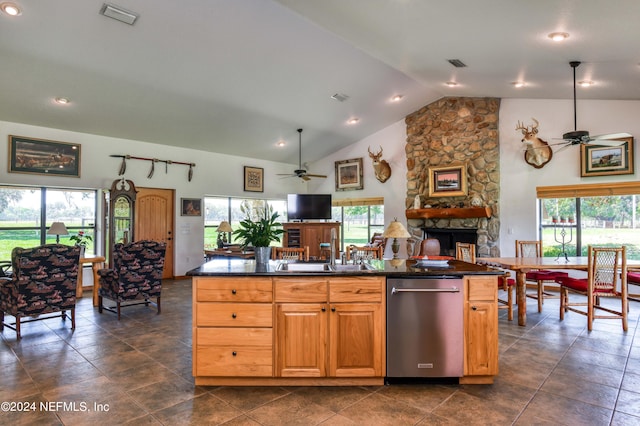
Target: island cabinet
point(480, 329)
point(232, 327)
point(330, 327)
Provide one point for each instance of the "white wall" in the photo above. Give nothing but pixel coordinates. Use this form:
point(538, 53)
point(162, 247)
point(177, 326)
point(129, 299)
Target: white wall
point(214, 174)
point(392, 139)
point(518, 180)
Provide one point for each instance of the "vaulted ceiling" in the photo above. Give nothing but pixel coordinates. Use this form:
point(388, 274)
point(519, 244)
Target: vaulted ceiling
point(238, 76)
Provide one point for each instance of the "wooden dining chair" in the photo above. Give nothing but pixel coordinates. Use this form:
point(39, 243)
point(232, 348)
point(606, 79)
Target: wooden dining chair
point(539, 277)
point(290, 253)
point(364, 253)
point(467, 253)
point(606, 266)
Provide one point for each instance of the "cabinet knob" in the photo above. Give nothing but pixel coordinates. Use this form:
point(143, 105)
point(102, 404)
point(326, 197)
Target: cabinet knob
point(233, 291)
point(333, 309)
point(473, 308)
point(324, 309)
point(234, 353)
point(233, 315)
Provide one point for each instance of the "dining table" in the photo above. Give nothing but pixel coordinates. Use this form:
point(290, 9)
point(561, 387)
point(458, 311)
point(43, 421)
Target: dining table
point(522, 265)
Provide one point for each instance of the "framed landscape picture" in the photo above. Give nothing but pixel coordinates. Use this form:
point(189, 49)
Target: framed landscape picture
point(45, 157)
point(349, 174)
point(448, 181)
point(599, 160)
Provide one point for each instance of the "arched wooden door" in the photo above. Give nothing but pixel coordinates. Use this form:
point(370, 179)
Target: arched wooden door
point(154, 220)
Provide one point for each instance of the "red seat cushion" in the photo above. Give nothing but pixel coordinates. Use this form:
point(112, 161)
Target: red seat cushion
point(545, 275)
point(510, 282)
point(578, 284)
point(633, 277)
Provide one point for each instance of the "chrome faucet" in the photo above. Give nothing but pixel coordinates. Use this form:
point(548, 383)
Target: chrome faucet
point(334, 237)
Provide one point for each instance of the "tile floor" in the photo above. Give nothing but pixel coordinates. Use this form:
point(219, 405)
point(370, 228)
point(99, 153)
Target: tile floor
point(138, 371)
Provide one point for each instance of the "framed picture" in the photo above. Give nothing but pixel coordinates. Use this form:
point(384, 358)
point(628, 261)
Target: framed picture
point(253, 179)
point(599, 160)
point(349, 174)
point(45, 157)
point(190, 207)
point(449, 181)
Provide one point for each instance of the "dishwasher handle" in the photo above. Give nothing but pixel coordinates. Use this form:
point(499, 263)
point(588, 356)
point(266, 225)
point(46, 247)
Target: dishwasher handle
point(425, 290)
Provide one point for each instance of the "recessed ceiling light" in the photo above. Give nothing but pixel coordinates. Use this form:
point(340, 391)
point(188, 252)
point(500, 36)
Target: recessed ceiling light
point(397, 98)
point(518, 84)
point(586, 83)
point(451, 83)
point(62, 101)
point(11, 9)
point(558, 36)
point(353, 120)
point(281, 144)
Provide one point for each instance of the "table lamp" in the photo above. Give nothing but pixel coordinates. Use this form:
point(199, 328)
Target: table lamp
point(57, 229)
point(222, 229)
point(395, 230)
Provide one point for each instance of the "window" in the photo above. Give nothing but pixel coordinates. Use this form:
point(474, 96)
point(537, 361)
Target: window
point(27, 212)
point(592, 215)
point(360, 218)
point(217, 209)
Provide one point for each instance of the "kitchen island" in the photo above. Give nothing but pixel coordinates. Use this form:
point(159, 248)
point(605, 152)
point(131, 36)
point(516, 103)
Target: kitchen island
point(314, 324)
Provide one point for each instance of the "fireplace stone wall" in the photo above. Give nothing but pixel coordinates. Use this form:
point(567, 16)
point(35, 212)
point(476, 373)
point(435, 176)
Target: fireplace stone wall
point(453, 131)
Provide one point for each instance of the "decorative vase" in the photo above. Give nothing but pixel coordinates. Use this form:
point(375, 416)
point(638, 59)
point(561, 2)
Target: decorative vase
point(262, 254)
point(82, 249)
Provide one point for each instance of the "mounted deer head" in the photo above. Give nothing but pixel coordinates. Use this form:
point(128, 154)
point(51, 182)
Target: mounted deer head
point(538, 152)
point(381, 168)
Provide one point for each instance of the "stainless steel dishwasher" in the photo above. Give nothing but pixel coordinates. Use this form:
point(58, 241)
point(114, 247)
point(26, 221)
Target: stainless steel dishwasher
point(424, 327)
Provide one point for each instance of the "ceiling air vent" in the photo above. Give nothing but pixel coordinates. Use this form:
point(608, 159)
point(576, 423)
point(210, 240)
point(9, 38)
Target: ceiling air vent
point(456, 63)
point(118, 13)
point(341, 97)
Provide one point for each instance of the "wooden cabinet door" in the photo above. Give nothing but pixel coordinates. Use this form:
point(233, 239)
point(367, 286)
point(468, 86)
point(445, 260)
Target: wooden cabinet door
point(312, 236)
point(301, 339)
point(356, 346)
point(481, 327)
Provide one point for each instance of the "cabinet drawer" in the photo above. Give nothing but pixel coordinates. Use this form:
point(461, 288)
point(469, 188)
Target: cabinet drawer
point(233, 289)
point(356, 289)
point(296, 290)
point(234, 352)
point(482, 288)
point(234, 315)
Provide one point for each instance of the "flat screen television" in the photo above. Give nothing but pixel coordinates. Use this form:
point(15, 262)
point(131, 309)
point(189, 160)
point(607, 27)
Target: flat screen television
point(308, 206)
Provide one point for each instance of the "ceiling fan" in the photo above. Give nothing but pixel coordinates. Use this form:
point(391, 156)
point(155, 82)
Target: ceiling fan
point(300, 172)
point(577, 137)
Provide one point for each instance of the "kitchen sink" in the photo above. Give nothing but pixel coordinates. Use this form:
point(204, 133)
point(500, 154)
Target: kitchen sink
point(357, 267)
point(304, 267)
point(322, 267)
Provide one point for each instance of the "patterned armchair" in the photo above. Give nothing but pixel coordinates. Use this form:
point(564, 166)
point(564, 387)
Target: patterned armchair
point(136, 275)
point(43, 281)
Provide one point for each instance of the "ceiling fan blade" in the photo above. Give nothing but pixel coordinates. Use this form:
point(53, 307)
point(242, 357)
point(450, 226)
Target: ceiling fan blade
point(305, 177)
point(605, 142)
point(611, 136)
point(317, 176)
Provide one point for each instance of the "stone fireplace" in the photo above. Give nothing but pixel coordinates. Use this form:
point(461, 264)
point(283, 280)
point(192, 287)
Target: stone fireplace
point(456, 131)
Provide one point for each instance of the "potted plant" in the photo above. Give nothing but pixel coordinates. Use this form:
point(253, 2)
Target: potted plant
point(81, 239)
point(259, 229)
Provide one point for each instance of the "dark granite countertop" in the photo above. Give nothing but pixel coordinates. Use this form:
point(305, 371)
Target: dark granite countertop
point(396, 267)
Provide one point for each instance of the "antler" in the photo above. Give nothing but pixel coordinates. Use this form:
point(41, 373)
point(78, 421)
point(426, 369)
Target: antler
point(521, 126)
point(372, 155)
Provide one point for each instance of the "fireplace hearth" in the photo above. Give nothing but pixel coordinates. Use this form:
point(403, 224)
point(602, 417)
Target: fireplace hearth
point(448, 238)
